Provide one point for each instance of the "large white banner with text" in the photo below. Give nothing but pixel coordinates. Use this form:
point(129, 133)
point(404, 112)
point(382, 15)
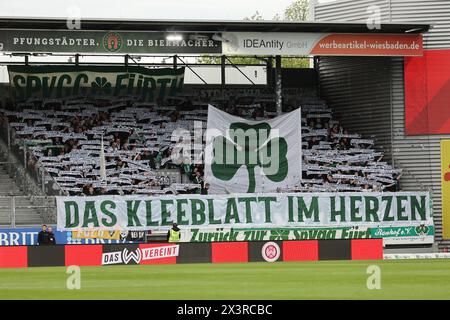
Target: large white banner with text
point(270, 210)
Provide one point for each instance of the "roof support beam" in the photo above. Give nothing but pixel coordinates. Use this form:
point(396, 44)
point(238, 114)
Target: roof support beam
point(278, 88)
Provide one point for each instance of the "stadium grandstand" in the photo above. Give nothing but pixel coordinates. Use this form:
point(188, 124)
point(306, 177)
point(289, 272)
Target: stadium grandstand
point(76, 130)
point(63, 138)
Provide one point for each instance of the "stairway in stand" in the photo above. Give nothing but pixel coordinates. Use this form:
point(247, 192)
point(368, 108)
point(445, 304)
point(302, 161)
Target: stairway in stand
point(25, 215)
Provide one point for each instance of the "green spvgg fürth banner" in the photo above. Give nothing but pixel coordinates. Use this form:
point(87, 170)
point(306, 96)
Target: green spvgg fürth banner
point(65, 81)
point(245, 211)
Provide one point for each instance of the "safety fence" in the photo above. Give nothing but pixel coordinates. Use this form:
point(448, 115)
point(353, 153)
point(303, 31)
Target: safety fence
point(27, 210)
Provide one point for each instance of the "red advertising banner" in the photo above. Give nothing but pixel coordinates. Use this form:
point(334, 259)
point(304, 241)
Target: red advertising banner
point(427, 93)
point(83, 255)
point(13, 257)
point(369, 45)
point(365, 249)
point(156, 256)
point(229, 252)
point(301, 250)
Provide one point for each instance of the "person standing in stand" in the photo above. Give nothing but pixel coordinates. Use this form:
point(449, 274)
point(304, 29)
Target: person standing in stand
point(43, 236)
point(51, 236)
point(174, 234)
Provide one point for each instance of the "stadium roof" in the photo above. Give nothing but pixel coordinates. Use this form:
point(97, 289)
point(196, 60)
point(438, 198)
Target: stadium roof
point(210, 25)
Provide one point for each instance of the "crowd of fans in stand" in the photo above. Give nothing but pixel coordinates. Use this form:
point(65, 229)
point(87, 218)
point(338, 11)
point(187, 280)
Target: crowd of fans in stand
point(335, 160)
point(65, 136)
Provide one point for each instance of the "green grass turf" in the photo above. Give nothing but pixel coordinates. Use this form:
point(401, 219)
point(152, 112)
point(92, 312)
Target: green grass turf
point(406, 279)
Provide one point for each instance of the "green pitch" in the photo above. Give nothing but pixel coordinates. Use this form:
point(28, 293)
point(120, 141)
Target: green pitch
point(413, 279)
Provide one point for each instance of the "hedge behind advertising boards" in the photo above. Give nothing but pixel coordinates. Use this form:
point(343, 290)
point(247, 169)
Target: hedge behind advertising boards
point(245, 210)
point(63, 81)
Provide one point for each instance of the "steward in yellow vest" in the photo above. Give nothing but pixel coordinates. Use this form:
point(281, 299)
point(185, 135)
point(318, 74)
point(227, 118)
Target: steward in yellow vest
point(174, 234)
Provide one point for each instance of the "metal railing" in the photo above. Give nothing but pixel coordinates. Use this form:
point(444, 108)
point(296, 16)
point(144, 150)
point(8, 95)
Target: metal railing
point(26, 165)
point(41, 176)
point(26, 211)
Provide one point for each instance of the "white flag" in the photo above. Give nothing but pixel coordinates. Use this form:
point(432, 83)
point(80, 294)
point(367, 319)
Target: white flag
point(244, 156)
point(102, 163)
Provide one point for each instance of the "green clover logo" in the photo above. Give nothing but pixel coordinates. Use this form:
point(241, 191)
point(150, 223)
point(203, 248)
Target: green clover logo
point(279, 234)
point(249, 146)
point(422, 229)
point(101, 86)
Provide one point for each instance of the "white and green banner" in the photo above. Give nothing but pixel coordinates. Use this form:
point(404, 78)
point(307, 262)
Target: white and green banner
point(272, 210)
point(65, 81)
point(252, 156)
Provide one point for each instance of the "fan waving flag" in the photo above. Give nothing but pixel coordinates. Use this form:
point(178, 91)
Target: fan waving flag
point(102, 162)
point(245, 156)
